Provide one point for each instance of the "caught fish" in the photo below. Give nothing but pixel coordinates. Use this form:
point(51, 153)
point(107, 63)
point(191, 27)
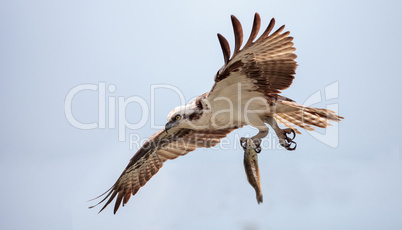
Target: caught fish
point(251, 167)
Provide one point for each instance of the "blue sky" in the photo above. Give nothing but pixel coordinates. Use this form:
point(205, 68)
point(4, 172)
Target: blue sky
point(51, 168)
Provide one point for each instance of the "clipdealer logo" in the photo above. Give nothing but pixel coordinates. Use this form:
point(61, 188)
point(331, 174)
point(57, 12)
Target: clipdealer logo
point(107, 108)
point(112, 111)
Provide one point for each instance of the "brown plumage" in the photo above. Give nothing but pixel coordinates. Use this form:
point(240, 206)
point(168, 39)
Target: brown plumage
point(306, 117)
point(150, 157)
point(263, 67)
point(269, 60)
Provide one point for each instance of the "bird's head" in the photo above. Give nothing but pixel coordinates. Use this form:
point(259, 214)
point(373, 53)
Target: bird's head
point(181, 116)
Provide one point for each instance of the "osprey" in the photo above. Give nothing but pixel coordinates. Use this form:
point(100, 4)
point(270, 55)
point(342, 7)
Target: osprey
point(246, 92)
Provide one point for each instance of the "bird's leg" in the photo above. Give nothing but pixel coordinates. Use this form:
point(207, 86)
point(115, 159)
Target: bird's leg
point(282, 134)
point(256, 139)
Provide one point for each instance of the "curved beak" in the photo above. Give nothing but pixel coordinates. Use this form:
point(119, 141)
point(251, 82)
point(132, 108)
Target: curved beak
point(168, 126)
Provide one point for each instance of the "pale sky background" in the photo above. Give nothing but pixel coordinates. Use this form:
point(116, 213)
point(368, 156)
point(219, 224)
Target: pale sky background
point(49, 168)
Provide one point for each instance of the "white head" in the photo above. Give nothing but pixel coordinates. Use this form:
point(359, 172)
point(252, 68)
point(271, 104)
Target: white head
point(182, 116)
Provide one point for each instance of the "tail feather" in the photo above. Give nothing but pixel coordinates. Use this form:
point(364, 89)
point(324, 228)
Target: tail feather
point(306, 117)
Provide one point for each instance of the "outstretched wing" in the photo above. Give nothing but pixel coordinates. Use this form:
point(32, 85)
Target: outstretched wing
point(149, 159)
point(263, 67)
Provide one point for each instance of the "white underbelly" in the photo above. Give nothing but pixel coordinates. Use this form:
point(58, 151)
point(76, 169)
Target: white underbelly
point(244, 112)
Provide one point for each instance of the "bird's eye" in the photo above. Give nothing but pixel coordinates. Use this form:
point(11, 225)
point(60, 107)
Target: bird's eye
point(177, 117)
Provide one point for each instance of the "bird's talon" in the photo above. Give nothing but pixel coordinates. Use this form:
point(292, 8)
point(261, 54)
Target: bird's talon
point(257, 143)
point(258, 149)
point(286, 141)
point(294, 134)
point(292, 148)
point(243, 142)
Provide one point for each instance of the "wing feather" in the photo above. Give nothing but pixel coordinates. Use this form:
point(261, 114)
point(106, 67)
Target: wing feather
point(118, 201)
point(141, 176)
point(238, 31)
point(150, 157)
point(267, 65)
point(254, 31)
point(225, 47)
point(267, 30)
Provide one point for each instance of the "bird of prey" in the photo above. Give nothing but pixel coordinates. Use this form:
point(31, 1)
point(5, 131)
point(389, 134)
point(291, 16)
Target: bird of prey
point(246, 92)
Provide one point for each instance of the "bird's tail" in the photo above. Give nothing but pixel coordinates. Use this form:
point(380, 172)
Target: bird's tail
point(306, 117)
